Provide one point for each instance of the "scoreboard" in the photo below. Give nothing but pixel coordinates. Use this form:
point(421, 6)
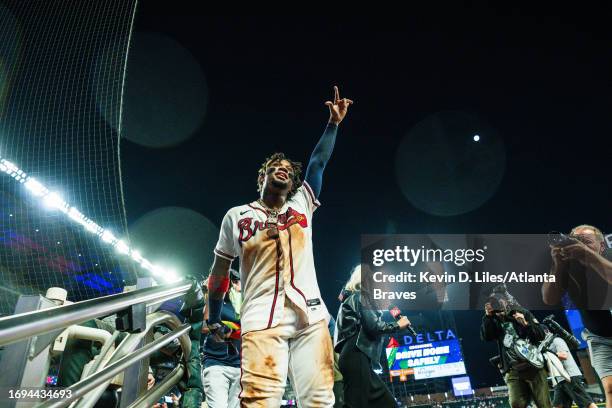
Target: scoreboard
point(428, 355)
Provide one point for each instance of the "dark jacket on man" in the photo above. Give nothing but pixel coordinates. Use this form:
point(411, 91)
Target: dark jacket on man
point(492, 330)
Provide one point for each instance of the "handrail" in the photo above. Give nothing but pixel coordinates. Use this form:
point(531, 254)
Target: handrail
point(81, 388)
point(128, 345)
point(150, 397)
point(86, 333)
point(22, 326)
point(106, 347)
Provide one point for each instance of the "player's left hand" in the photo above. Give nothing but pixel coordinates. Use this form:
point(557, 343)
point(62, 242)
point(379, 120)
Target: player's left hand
point(338, 108)
point(214, 328)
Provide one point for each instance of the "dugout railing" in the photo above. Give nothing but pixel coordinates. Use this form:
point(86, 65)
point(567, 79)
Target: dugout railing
point(28, 337)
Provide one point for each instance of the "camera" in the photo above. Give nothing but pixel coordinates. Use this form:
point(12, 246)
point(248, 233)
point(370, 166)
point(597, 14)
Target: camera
point(167, 399)
point(502, 301)
point(559, 239)
point(557, 330)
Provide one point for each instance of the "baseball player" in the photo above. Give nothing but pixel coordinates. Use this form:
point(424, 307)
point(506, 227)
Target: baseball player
point(284, 327)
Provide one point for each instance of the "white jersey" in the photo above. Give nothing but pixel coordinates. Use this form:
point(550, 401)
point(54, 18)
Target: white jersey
point(271, 269)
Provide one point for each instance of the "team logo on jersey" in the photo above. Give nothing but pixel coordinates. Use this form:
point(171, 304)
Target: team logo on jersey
point(248, 227)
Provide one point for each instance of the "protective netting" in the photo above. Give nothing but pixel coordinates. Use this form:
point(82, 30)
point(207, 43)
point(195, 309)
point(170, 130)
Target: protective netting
point(62, 69)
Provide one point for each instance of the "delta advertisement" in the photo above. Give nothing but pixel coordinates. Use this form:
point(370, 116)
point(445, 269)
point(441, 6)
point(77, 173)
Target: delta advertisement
point(427, 355)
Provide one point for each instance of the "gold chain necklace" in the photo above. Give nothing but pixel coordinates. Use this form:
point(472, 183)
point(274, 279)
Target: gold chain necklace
point(272, 221)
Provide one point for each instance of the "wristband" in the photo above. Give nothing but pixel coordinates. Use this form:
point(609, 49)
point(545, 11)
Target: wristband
point(218, 285)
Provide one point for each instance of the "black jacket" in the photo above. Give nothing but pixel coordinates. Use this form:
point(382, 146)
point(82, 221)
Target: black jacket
point(355, 320)
point(492, 330)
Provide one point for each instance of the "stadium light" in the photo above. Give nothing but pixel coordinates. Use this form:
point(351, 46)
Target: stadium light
point(35, 187)
point(12, 170)
point(108, 237)
point(147, 265)
point(157, 270)
point(136, 256)
point(172, 276)
point(53, 200)
point(122, 247)
point(92, 227)
point(76, 215)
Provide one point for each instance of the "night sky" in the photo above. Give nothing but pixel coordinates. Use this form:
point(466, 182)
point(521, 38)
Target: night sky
point(536, 81)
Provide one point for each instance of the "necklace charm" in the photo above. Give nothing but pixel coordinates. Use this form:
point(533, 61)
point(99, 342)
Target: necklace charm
point(271, 222)
point(272, 232)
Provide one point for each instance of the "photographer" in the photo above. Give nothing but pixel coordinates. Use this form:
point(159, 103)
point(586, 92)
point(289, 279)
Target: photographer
point(525, 382)
point(582, 266)
point(573, 390)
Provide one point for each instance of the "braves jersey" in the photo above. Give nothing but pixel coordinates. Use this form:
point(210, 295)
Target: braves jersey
point(271, 269)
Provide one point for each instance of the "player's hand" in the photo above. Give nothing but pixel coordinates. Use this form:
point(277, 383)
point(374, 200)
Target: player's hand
point(488, 309)
point(218, 331)
point(214, 328)
point(338, 108)
point(403, 322)
point(227, 334)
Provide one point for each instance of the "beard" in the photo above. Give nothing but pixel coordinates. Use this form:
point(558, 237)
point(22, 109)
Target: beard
point(279, 184)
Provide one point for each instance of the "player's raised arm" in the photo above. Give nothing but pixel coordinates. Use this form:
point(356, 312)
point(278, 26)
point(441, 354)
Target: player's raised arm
point(322, 152)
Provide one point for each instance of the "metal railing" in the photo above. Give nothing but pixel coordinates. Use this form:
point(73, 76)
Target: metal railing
point(128, 345)
point(25, 325)
point(82, 387)
point(149, 398)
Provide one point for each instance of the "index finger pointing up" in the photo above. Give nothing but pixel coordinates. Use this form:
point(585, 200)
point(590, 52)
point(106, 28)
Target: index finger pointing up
point(336, 95)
